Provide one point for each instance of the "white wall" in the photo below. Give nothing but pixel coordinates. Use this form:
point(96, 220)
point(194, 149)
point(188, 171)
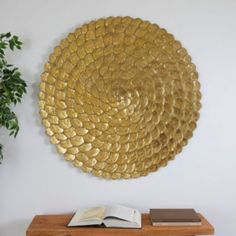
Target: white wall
point(34, 179)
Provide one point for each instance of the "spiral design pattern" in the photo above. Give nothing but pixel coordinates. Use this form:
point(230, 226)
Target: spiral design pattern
point(119, 97)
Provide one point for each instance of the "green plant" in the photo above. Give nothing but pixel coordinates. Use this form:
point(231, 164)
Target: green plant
point(12, 87)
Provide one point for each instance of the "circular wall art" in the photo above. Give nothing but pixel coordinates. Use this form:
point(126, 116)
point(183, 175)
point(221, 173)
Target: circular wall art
point(119, 97)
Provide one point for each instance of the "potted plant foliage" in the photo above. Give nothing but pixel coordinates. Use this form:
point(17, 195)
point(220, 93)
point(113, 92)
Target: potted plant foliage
point(12, 86)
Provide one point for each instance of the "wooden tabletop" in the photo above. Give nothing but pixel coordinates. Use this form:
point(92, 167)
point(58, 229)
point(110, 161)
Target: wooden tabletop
point(56, 225)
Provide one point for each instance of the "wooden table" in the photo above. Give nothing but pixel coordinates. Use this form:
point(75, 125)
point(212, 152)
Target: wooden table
point(55, 225)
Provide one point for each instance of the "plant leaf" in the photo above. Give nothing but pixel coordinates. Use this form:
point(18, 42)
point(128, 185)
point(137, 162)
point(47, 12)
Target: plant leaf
point(12, 86)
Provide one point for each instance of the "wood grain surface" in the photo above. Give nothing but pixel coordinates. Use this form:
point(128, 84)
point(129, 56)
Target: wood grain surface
point(56, 225)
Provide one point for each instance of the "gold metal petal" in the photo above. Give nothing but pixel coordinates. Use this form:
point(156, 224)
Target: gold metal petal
point(119, 97)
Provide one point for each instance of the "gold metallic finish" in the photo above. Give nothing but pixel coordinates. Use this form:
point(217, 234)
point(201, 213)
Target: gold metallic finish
point(119, 97)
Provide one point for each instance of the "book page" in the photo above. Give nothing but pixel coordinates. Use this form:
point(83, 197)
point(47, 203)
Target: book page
point(88, 216)
point(92, 213)
point(121, 212)
point(122, 217)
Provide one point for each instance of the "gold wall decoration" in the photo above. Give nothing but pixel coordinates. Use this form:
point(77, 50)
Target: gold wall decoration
point(119, 97)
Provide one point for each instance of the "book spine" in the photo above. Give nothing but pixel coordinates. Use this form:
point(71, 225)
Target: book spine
point(176, 224)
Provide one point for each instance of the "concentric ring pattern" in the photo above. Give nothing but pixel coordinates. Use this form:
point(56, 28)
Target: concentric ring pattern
point(119, 97)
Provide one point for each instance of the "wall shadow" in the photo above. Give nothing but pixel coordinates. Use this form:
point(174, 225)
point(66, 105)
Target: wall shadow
point(15, 227)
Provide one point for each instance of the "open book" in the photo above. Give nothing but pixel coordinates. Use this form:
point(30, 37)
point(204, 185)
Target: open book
point(110, 216)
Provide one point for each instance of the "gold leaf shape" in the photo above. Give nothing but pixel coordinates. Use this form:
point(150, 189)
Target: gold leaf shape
point(119, 97)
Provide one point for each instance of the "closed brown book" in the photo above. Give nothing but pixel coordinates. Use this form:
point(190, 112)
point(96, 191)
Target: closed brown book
point(174, 217)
